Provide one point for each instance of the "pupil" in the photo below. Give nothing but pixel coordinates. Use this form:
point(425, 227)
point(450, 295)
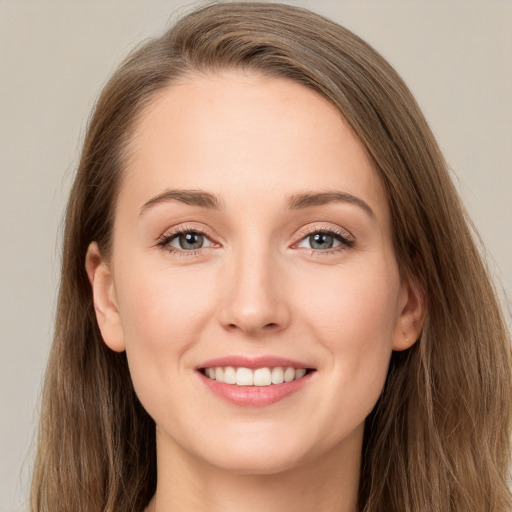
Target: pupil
point(191, 241)
point(321, 241)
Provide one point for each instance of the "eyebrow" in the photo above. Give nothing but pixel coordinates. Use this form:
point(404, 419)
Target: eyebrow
point(309, 199)
point(295, 202)
point(191, 197)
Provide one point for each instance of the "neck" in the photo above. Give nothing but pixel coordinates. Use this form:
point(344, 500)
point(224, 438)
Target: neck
point(325, 484)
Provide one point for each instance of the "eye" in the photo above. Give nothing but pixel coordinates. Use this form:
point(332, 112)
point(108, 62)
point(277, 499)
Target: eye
point(319, 241)
point(189, 241)
point(325, 240)
point(185, 241)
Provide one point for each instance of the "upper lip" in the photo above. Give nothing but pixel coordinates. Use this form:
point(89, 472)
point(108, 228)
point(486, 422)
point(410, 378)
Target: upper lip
point(253, 362)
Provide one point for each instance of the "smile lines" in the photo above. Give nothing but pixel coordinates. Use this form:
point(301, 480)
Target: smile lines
point(259, 377)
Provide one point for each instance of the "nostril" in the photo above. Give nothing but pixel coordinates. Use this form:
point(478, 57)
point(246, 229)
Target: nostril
point(269, 326)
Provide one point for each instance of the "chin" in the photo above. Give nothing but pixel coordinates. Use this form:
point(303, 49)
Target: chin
point(264, 452)
point(263, 462)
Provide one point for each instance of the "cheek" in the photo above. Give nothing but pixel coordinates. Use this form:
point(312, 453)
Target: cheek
point(356, 303)
point(162, 313)
point(353, 313)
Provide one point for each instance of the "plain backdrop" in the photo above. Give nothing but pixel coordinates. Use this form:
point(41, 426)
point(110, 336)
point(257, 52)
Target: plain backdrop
point(54, 58)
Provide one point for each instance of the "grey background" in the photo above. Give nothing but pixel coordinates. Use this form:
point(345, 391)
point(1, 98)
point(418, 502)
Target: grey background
point(54, 57)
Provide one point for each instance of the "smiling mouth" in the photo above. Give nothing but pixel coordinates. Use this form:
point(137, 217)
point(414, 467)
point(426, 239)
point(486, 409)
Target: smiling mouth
point(266, 376)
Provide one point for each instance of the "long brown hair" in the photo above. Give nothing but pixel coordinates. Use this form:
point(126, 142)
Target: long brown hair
point(438, 439)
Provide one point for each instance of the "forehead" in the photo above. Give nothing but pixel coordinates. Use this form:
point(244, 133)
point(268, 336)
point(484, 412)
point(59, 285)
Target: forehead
point(242, 133)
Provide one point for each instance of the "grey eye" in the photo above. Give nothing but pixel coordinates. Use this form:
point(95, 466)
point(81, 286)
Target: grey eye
point(189, 241)
point(321, 241)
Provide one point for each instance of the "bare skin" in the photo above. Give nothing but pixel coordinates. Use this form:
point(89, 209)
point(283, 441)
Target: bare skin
point(292, 257)
point(322, 485)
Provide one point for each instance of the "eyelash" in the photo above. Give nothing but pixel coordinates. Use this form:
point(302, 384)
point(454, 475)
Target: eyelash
point(345, 241)
point(167, 238)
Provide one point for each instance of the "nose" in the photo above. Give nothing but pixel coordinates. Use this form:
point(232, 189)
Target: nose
point(253, 300)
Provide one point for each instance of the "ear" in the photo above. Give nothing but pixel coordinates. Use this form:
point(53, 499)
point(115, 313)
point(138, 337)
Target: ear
point(104, 297)
point(411, 314)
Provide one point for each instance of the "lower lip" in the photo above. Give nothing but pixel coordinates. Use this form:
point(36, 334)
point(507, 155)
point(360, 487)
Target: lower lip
point(255, 396)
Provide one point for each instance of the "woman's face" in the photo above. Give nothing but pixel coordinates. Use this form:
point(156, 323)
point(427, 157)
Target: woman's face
point(252, 232)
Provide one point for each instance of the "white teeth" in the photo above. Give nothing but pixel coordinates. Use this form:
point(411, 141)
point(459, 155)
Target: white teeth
point(262, 377)
point(259, 377)
point(277, 375)
point(300, 373)
point(229, 375)
point(244, 377)
point(289, 374)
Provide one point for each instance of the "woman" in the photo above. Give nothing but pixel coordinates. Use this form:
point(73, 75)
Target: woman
point(270, 295)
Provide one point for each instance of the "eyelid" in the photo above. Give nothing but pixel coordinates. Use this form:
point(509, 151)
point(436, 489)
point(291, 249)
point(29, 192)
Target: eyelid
point(187, 228)
point(176, 238)
point(341, 232)
point(346, 239)
point(172, 233)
